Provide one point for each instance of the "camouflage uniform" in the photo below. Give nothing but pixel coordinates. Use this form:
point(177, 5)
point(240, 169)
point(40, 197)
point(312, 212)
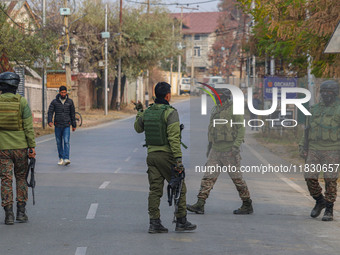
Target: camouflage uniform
point(323, 157)
point(223, 150)
point(18, 158)
point(323, 151)
point(324, 148)
point(209, 179)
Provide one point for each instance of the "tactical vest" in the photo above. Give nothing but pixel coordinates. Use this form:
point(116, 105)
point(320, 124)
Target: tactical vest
point(324, 123)
point(222, 132)
point(10, 114)
point(155, 127)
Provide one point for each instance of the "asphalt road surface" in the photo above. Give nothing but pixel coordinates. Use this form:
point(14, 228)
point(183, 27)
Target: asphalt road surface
point(98, 204)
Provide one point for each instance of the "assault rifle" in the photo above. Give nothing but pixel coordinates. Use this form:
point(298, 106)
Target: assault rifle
point(174, 189)
point(31, 183)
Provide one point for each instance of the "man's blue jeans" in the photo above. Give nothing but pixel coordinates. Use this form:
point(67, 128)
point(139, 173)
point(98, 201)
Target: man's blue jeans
point(62, 136)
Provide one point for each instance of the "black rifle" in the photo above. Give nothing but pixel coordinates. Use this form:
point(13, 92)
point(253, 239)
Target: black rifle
point(306, 138)
point(174, 189)
point(182, 127)
point(31, 183)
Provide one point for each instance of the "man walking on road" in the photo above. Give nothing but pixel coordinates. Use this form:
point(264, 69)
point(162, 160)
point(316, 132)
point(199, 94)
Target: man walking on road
point(224, 150)
point(320, 146)
point(62, 108)
point(160, 122)
point(16, 137)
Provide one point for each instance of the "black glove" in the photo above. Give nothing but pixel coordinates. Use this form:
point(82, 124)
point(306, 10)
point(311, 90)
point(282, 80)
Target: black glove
point(235, 151)
point(179, 165)
point(139, 106)
point(302, 152)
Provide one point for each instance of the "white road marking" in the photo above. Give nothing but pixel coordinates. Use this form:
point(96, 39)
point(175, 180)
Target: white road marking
point(104, 185)
point(128, 159)
point(92, 211)
point(81, 251)
point(118, 169)
point(135, 150)
point(281, 177)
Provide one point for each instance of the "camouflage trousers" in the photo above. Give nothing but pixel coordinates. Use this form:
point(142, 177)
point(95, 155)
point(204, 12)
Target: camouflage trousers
point(18, 160)
point(209, 179)
point(315, 160)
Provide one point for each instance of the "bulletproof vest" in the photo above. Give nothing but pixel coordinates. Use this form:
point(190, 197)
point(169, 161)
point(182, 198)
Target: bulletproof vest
point(324, 122)
point(155, 127)
point(10, 114)
point(222, 132)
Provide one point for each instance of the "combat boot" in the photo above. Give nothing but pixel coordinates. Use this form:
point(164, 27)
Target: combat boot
point(157, 227)
point(182, 224)
point(246, 207)
point(328, 216)
point(319, 205)
point(198, 207)
point(21, 212)
point(9, 215)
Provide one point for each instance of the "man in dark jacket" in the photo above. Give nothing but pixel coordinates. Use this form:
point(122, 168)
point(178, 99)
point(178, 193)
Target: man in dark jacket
point(64, 116)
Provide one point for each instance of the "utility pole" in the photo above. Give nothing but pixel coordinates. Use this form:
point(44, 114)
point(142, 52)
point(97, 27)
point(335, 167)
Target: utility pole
point(44, 70)
point(67, 57)
point(192, 47)
point(146, 93)
point(253, 58)
point(106, 64)
point(180, 55)
point(172, 58)
point(120, 56)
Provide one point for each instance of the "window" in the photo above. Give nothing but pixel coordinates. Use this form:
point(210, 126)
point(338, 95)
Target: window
point(197, 37)
point(197, 51)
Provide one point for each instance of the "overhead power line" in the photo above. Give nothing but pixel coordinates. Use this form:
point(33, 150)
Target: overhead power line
point(201, 2)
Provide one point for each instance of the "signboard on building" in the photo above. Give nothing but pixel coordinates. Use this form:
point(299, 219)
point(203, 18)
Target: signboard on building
point(56, 79)
point(275, 82)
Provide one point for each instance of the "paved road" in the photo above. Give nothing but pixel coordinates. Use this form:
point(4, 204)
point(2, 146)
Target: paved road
point(98, 204)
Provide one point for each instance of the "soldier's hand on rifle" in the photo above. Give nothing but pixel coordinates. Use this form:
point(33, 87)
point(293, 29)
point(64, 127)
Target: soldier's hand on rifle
point(139, 106)
point(302, 152)
point(179, 165)
point(235, 151)
point(31, 153)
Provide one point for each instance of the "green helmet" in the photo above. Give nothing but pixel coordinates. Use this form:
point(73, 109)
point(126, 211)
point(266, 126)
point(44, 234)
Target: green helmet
point(10, 79)
point(330, 85)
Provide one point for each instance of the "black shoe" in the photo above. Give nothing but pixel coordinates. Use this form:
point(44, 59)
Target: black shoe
point(157, 227)
point(328, 216)
point(319, 205)
point(246, 207)
point(198, 207)
point(9, 215)
point(182, 224)
point(21, 212)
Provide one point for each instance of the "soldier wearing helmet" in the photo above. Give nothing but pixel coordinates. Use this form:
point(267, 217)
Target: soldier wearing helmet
point(224, 150)
point(16, 136)
point(323, 138)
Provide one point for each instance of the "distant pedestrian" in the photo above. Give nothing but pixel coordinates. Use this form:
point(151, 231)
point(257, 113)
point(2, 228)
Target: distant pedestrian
point(16, 144)
point(62, 108)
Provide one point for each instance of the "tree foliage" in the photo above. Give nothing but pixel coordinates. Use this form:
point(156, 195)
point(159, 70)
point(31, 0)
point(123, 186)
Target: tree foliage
point(292, 29)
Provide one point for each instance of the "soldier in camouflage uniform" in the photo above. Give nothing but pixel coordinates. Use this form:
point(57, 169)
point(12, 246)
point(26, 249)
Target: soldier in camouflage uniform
point(160, 122)
point(323, 139)
point(223, 150)
point(16, 136)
